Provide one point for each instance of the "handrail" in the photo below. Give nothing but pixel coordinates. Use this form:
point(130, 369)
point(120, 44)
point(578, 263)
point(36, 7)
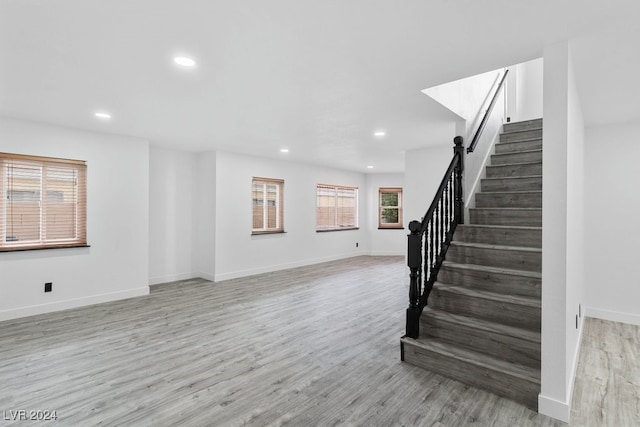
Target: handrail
point(430, 238)
point(485, 119)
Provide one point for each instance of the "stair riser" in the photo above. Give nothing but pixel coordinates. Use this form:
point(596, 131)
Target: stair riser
point(520, 126)
point(511, 184)
point(506, 284)
point(514, 147)
point(510, 158)
point(512, 136)
point(499, 236)
point(490, 257)
point(511, 314)
point(502, 384)
point(504, 217)
point(509, 200)
point(505, 171)
point(504, 347)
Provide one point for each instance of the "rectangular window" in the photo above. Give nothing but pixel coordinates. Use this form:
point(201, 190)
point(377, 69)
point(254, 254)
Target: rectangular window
point(336, 207)
point(268, 209)
point(390, 208)
point(43, 202)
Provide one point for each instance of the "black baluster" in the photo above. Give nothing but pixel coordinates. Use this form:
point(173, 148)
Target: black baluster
point(414, 262)
point(459, 151)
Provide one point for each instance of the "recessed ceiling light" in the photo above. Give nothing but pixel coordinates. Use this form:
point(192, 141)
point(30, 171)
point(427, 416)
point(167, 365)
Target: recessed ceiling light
point(379, 133)
point(370, 167)
point(102, 115)
point(284, 150)
point(184, 61)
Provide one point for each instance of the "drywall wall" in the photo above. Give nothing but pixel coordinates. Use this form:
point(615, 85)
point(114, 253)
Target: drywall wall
point(562, 255)
point(524, 90)
point(172, 179)
point(204, 216)
point(116, 264)
point(384, 241)
point(238, 253)
point(424, 170)
point(612, 229)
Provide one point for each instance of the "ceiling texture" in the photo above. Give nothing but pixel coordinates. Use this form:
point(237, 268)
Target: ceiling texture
point(316, 77)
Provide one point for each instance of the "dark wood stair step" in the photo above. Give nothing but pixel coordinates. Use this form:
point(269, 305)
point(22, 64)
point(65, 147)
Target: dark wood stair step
point(509, 199)
point(530, 156)
point(522, 125)
point(513, 310)
point(515, 345)
point(507, 235)
point(513, 257)
point(517, 183)
point(492, 279)
point(513, 381)
point(514, 170)
point(517, 146)
point(506, 216)
point(519, 135)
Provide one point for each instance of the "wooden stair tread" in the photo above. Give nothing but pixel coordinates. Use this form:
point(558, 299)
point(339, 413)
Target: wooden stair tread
point(512, 164)
point(480, 360)
point(501, 227)
point(487, 295)
point(516, 152)
point(512, 177)
point(519, 140)
point(510, 271)
point(498, 247)
point(485, 325)
point(509, 209)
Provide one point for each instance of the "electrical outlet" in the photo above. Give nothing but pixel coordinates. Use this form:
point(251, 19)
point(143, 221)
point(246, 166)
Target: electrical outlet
point(356, 244)
point(48, 286)
point(580, 310)
point(576, 321)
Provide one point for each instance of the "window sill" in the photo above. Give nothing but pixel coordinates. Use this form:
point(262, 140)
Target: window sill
point(260, 233)
point(42, 248)
point(338, 229)
point(399, 227)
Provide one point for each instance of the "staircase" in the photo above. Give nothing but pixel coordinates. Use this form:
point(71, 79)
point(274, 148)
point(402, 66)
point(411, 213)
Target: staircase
point(482, 322)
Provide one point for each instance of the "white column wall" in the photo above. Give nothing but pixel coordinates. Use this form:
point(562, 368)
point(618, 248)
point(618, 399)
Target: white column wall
point(171, 204)
point(562, 255)
point(612, 229)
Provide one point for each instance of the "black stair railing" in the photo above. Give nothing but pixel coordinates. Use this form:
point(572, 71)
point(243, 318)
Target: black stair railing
point(430, 238)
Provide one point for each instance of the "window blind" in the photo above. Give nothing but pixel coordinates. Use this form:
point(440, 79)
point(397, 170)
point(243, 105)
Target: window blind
point(43, 202)
point(268, 206)
point(336, 207)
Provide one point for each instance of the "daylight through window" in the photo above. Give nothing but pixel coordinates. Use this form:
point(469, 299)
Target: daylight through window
point(43, 202)
point(336, 207)
point(390, 208)
point(267, 205)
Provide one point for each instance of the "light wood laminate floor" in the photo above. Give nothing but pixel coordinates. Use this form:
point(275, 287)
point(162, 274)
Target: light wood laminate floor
point(316, 345)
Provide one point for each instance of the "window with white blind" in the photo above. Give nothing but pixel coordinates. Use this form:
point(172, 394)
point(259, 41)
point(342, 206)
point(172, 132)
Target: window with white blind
point(268, 209)
point(390, 208)
point(43, 202)
point(336, 207)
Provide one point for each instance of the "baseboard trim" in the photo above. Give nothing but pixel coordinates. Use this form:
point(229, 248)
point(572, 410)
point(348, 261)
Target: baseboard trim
point(554, 408)
point(614, 316)
point(170, 278)
point(72, 303)
point(268, 269)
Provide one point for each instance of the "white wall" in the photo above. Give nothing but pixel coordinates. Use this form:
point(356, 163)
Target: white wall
point(204, 216)
point(116, 264)
point(612, 229)
point(384, 241)
point(172, 177)
point(424, 169)
point(562, 255)
point(238, 253)
point(524, 90)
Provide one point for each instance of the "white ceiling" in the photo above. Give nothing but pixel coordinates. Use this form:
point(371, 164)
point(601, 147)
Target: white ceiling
point(317, 77)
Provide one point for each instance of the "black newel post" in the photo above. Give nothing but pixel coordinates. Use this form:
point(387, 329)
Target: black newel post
point(414, 261)
point(458, 150)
